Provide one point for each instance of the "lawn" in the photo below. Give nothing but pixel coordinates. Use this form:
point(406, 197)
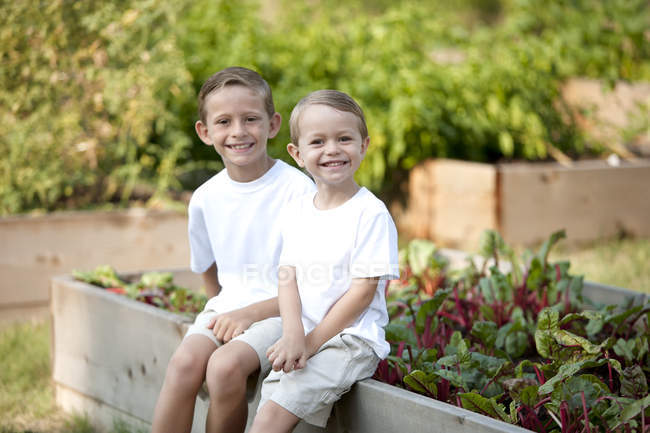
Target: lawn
point(27, 396)
point(623, 263)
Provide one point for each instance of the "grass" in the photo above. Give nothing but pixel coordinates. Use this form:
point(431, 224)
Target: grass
point(27, 402)
point(622, 262)
point(27, 396)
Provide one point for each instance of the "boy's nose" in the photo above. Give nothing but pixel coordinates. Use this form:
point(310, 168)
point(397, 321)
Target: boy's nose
point(237, 129)
point(331, 148)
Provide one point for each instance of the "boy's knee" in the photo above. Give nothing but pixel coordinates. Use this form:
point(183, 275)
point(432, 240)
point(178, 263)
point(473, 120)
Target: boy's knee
point(184, 366)
point(225, 374)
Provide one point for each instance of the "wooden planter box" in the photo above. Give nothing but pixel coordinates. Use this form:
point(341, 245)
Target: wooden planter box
point(36, 248)
point(110, 354)
point(452, 202)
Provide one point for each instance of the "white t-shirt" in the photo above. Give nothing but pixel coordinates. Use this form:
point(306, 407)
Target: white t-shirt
point(236, 225)
point(330, 247)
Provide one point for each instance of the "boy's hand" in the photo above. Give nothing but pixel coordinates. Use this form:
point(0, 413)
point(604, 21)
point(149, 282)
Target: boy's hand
point(229, 325)
point(288, 353)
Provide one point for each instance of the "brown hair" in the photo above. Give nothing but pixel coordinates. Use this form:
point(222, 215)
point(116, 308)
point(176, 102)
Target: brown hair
point(236, 75)
point(332, 98)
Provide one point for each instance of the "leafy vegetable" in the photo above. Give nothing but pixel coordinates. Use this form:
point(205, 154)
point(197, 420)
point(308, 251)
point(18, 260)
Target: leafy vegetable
point(154, 288)
point(517, 345)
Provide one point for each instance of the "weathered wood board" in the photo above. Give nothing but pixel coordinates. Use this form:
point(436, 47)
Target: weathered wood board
point(35, 248)
point(452, 202)
point(590, 200)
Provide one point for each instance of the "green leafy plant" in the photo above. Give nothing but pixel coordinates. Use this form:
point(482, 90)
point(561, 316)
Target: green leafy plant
point(153, 288)
point(510, 340)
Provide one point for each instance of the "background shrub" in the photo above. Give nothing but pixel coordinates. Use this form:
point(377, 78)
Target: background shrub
point(98, 99)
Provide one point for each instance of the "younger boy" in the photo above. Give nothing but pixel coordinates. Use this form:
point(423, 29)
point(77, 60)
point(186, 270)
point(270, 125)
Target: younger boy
point(339, 248)
point(234, 234)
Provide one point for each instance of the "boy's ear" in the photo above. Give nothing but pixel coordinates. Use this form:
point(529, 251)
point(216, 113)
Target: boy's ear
point(202, 132)
point(364, 145)
point(295, 154)
point(275, 123)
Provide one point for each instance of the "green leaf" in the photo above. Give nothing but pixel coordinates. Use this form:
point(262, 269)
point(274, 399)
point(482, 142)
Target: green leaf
point(397, 332)
point(633, 409)
point(571, 391)
point(486, 332)
point(516, 344)
point(634, 382)
point(519, 390)
point(625, 349)
point(542, 255)
point(490, 243)
point(420, 253)
point(453, 378)
point(545, 343)
point(567, 338)
point(430, 307)
point(157, 279)
point(486, 406)
point(567, 371)
point(422, 382)
point(535, 277)
point(547, 323)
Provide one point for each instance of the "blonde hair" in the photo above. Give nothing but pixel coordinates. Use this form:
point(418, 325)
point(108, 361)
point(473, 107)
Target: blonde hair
point(332, 98)
point(236, 75)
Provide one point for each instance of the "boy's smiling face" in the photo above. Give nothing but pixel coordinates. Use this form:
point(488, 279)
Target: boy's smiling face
point(330, 146)
point(238, 127)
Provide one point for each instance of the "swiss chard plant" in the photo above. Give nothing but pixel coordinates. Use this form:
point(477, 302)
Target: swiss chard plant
point(154, 288)
point(511, 339)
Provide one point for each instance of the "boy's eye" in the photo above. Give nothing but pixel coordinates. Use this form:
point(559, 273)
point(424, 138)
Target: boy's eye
point(316, 141)
point(345, 138)
point(251, 119)
point(222, 122)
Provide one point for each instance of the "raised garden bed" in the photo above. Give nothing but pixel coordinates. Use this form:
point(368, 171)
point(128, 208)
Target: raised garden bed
point(452, 202)
point(110, 354)
point(38, 247)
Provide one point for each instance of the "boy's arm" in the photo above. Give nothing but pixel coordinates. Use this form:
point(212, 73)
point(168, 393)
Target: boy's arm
point(343, 313)
point(228, 325)
point(289, 351)
point(211, 281)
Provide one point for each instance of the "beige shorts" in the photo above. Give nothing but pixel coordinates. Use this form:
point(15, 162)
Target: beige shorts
point(310, 393)
point(260, 336)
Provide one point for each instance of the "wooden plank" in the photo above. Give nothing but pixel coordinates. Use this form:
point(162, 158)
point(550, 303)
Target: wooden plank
point(103, 416)
point(611, 295)
point(420, 203)
point(372, 406)
point(590, 200)
point(464, 202)
point(35, 248)
point(111, 348)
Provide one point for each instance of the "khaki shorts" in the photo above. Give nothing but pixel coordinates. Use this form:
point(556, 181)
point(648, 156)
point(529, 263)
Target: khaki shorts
point(260, 336)
point(310, 393)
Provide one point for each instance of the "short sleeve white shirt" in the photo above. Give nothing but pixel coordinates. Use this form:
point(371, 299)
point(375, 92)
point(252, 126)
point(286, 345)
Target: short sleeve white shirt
point(330, 247)
point(236, 225)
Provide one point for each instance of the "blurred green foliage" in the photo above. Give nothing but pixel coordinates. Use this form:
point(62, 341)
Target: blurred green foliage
point(98, 98)
point(89, 100)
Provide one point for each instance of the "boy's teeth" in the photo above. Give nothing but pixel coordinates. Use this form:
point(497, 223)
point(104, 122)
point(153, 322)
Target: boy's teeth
point(334, 164)
point(240, 146)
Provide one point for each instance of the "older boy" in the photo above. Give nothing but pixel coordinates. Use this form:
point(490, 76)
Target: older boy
point(233, 228)
point(339, 248)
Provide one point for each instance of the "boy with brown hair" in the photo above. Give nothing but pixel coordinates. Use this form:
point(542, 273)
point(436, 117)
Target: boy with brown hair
point(235, 244)
point(339, 249)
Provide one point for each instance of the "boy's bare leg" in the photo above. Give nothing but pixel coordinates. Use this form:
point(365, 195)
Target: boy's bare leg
point(227, 372)
point(183, 379)
point(273, 418)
